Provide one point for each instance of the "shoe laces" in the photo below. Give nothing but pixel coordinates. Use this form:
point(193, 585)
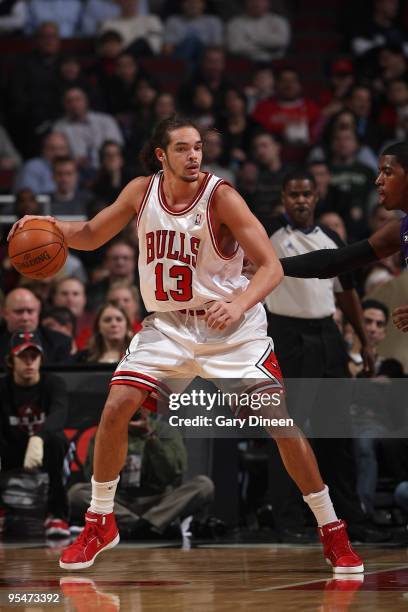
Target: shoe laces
point(88, 532)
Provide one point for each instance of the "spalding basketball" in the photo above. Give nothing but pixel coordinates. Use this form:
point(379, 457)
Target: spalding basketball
point(38, 250)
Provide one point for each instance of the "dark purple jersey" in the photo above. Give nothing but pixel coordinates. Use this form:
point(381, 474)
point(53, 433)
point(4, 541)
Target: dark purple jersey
point(404, 239)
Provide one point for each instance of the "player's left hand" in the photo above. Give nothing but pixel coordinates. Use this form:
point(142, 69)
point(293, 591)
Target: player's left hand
point(368, 360)
point(400, 318)
point(223, 314)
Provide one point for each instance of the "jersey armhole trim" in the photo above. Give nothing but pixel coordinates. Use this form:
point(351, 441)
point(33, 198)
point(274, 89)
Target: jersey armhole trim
point(216, 246)
point(145, 198)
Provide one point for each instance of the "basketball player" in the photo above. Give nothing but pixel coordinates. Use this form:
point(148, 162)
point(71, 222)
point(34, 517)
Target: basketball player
point(206, 320)
point(392, 184)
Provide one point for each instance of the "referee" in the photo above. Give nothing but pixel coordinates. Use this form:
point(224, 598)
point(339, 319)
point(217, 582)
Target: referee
point(309, 346)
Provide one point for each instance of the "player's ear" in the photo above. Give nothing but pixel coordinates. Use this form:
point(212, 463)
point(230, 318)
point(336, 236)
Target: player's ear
point(159, 153)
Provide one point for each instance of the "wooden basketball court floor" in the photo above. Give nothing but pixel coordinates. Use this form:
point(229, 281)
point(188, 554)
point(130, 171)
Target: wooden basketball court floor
point(208, 578)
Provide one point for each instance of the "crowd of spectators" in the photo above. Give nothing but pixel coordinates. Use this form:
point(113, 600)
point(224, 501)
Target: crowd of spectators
point(72, 126)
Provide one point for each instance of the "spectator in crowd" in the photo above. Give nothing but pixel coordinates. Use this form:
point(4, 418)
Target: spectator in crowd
point(85, 129)
point(360, 102)
point(202, 109)
point(395, 109)
point(70, 293)
point(26, 203)
point(71, 74)
point(236, 128)
point(210, 72)
point(343, 120)
point(68, 198)
point(378, 276)
point(111, 335)
point(121, 87)
point(109, 45)
point(352, 179)
point(13, 16)
point(164, 106)
point(140, 122)
point(37, 173)
point(33, 89)
point(213, 154)
point(22, 313)
point(247, 186)
point(391, 64)
point(141, 34)
point(300, 316)
point(376, 316)
point(187, 33)
point(95, 12)
point(266, 153)
point(379, 216)
point(371, 418)
point(62, 320)
point(289, 114)
point(112, 175)
point(382, 29)
point(341, 80)
point(128, 297)
point(33, 410)
point(261, 88)
point(65, 14)
point(119, 264)
point(335, 223)
point(10, 158)
point(328, 194)
point(258, 33)
point(151, 494)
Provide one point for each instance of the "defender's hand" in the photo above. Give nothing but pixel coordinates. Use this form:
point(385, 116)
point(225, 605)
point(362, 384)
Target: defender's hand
point(20, 223)
point(223, 314)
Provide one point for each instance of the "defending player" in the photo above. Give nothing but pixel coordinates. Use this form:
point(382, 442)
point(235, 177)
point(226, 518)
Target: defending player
point(207, 320)
point(392, 184)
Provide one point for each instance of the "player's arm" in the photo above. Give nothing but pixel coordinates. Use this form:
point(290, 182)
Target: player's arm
point(89, 235)
point(326, 263)
point(232, 211)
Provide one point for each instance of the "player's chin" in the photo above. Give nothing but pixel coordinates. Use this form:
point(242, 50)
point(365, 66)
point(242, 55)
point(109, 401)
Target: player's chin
point(191, 177)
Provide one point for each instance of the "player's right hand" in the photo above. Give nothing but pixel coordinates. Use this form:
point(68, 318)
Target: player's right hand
point(20, 223)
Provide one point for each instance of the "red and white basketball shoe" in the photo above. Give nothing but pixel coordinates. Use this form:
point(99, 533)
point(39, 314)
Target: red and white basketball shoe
point(100, 533)
point(337, 549)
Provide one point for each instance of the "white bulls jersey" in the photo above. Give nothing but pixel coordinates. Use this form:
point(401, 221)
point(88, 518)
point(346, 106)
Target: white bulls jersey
point(180, 264)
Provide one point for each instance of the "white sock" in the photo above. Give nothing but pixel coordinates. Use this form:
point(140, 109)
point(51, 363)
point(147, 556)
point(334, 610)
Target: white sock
point(322, 507)
point(103, 494)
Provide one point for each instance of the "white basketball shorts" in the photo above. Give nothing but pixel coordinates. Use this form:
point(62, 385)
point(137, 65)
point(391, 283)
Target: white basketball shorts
point(179, 345)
